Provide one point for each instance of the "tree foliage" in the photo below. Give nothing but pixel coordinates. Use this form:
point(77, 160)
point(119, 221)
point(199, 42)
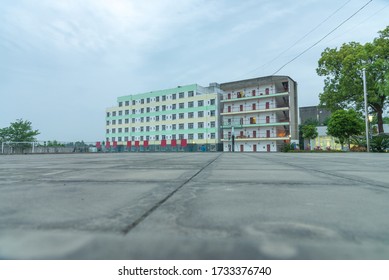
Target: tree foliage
point(309, 131)
point(343, 85)
point(18, 131)
point(343, 124)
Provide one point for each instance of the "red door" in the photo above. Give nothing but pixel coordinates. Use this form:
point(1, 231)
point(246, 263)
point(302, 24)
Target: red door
point(267, 119)
point(253, 107)
point(268, 133)
point(241, 108)
point(268, 147)
point(253, 92)
point(267, 91)
point(254, 148)
point(267, 105)
point(254, 134)
point(229, 109)
point(241, 148)
point(229, 96)
point(241, 134)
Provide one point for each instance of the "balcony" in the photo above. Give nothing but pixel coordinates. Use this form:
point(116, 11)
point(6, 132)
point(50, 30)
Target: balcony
point(253, 122)
point(252, 97)
point(235, 110)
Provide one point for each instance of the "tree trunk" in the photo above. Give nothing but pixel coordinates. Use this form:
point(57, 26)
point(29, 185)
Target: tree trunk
point(380, 121)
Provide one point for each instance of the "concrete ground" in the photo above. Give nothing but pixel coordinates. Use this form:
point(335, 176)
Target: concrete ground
point(195, 206)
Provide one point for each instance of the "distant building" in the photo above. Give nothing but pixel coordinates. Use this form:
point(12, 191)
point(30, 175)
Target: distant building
point(260, 114)
point(314, 113)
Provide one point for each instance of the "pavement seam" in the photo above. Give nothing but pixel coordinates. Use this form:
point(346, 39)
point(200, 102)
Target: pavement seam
point(358, 180)
point(130, 227)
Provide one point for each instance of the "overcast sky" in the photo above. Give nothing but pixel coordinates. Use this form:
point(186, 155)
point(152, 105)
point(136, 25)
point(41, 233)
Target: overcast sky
point(62, 63)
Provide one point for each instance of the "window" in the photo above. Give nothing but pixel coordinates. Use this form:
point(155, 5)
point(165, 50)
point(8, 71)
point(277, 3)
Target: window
point(181, 115)
point(113, 130)
point(126, 129)
point(163, 127)
point(133, 111)
point(147, 128)
point(163, 107)
point(163, 97)
point(142, 101)
point(173, 116)
point(190, 104)
point(200, 114)
point(113, 121)
point(148, 109)
point(157, 99)
point(174, 126)
point(126, 138)
point(107, 122)
point(164, 117)
point(157, 128)
point(147, 119)
point(190, 93)
point(174, 96)
point(120, 130)
point(120, 113)
point(127, 112)
point(108, 114)
point(147, 138)
point(157, 118)
point(127, 103)
point(181, 136)
point(133, 102)
point(141, 138)
point(174, 106)
point(120, 121)
point(213, 124)
point(142, 110)
point(126, 120)
point(114, 114)
point(181, 106)
point(200, 125)
point(190, 125)
point(173, 136)
point(133, 129)
point(200, 136)
point(133, 138)
point(119, 138)
point(142, 119)
point(113, 139)
point(148, 100)
point(107, 130)
point(181, 126)
point(190, 115)
point(181, 95)
point(213, 135)
point(141, 128)
point(120, 104)
point(156, 108)
point(200, 103)
point(156, 137)
point(133, 120)
point(213, 101)
point(212, 113)
point(190, 136)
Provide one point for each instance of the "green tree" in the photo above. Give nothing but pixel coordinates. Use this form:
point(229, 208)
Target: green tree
point(343, 124)
point(19, 131)
point(309, 131)
point(343, 85)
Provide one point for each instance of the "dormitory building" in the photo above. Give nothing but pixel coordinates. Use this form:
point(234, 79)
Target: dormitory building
point(254, 115)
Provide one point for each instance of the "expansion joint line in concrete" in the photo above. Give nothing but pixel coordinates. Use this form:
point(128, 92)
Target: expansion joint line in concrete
point(127, 229)
point(357, 180)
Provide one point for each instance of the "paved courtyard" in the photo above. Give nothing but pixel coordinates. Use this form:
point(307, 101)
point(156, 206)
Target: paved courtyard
point(194, 206)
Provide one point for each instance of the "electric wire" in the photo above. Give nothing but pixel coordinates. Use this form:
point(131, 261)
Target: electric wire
point(298, 41)
point(329, 33)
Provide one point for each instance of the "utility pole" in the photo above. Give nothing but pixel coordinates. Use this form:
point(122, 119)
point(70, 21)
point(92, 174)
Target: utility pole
point(366, 112)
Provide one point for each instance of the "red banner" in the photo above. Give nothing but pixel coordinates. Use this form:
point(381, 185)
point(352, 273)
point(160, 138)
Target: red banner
point(98, 145)
point(163, 143)
point(174, 142)
point(183, 143)
point(137, 144)
point(107, 144)
point(128, 144)
point(115, 144)
point(145, 143)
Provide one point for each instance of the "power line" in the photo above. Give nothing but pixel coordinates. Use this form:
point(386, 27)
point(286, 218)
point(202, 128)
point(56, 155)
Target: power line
point(299, 40)
point(343, 22)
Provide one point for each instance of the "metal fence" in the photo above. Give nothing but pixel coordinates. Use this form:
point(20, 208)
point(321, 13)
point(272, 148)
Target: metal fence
point(47, 147)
